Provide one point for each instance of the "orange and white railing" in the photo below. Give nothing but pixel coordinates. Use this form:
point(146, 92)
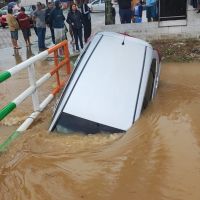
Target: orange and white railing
point(34, 85)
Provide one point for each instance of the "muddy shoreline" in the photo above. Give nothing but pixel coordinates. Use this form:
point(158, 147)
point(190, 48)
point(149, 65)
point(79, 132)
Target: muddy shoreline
point(183, 50)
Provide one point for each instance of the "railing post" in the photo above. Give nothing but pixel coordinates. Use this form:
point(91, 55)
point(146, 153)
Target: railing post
point(66, 53)
point(56, 65)
point(32, 81)
point(32, 90)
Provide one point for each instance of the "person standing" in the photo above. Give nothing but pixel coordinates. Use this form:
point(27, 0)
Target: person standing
point(32, 17)
point(24, 23)
point(138, 12)
point(14, 27)
point(66, 9)
point(151, 8)
point(113, 11)
point(39, 16)
point(198, 6)
point(48, 21)
point(85, 10)
point(125, 11)
point(57, 19)
point(74, 19)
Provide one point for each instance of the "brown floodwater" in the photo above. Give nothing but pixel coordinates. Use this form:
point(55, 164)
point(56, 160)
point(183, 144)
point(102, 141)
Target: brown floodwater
point(157, 159)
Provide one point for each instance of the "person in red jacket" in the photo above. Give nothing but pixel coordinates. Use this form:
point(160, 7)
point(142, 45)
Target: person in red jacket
point(24, 23)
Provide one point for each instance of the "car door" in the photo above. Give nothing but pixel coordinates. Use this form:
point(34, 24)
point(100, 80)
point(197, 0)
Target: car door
point(102, 6)
point(95, 6)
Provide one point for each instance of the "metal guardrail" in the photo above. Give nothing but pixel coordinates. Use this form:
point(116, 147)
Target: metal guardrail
point(34, 85)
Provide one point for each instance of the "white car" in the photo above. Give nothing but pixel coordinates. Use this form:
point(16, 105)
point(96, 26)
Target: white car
point(97, 6)
point(114, 79)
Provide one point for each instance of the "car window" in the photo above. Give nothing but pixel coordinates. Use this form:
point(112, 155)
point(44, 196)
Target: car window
point(102, 1)
point(150, 84)
point(96, 2)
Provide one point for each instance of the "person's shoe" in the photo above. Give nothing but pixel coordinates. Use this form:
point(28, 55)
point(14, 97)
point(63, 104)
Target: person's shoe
point(198, 11)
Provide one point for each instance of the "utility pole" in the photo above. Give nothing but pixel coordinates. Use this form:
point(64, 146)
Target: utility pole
point(108, 12)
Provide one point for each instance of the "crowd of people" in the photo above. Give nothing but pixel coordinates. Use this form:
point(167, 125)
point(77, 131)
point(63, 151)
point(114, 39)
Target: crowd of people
point(62, 18)
point(131, 11)
point(196, 5)
point(59, 18)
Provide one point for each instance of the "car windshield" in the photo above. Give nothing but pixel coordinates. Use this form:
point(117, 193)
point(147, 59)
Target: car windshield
point(95, 2)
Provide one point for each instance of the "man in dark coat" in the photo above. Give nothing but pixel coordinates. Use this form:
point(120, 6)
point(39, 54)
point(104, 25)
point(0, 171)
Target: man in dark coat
point(48, 21)
point(85, 10)
point(125, 11)
point(57, 19)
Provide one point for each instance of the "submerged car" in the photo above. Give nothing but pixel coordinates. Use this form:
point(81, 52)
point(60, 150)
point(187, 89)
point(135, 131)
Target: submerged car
point(114, 79)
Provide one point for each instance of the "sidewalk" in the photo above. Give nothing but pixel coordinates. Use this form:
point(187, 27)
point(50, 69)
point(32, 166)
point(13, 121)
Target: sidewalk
point(10, 57)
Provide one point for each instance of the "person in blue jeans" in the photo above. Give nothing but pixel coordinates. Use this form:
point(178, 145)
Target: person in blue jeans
point(138, 12)
point(151, 6)
point(39, 16)
point(57, 20)
point(125, 12)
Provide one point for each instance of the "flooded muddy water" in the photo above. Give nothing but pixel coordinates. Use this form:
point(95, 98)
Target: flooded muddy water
point(157, 159)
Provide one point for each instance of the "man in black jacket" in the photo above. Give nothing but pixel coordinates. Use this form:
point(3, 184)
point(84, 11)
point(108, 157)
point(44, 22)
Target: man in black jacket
point(48, 21)
point(125, 11)
point(85, 10)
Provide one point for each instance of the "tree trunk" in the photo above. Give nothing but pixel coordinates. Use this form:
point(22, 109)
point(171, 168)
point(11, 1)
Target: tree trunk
point(108, 12)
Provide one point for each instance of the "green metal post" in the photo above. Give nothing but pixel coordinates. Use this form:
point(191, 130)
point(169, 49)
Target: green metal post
point(4, 75)
point(6, 110)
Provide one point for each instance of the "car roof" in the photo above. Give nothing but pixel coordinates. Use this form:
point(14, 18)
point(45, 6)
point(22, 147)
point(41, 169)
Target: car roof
point(93, 95)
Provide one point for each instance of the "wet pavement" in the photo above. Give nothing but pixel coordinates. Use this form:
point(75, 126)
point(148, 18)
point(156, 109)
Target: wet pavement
point(9, 57)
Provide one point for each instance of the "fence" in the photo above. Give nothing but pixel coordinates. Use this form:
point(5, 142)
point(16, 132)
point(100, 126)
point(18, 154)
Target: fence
point(34, 85)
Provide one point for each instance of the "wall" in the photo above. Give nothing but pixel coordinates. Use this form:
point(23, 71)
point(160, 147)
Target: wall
point(150, 31)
